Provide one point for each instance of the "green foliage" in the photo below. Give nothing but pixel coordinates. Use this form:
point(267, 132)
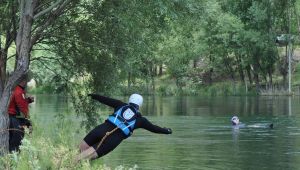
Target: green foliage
point(118, 44)
point(165, 90)
point(167, 87)
point(41, 151)
point(140, 88)
point(296, 75)
point(225, 89)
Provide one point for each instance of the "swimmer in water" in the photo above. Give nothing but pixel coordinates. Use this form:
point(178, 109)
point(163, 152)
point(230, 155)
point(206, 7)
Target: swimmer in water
point(235, 121)
point(237, 124)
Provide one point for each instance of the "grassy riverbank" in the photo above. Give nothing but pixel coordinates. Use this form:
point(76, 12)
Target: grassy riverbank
point(51, 146)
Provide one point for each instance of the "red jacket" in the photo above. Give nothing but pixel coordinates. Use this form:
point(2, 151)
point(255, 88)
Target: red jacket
point(18, 102)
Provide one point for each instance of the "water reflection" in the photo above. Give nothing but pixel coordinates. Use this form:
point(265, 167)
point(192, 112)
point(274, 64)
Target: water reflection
point(290, 106)
point(193, 106)
point(235, 135)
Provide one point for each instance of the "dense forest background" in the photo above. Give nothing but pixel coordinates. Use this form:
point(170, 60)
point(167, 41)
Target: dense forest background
point(173, 47)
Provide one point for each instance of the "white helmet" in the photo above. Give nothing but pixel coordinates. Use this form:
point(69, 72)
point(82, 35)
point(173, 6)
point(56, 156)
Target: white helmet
point(235, 120)
point(136, 99)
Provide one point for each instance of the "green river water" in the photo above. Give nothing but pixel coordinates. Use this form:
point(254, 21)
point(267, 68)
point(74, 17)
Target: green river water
point(202, 134)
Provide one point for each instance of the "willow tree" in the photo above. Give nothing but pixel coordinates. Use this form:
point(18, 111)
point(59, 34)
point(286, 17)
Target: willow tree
point(24, 24)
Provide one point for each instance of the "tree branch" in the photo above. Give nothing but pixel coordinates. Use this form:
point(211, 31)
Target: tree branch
point(14, 22)
point(41, 58)
point(20, 32)
point(47, 67)
point(1, 86)
point(48, 9)
point(9, 40)
point(297, 18)
point(41, 49)
point(11, 56)
point(53, 71)
point(55, 14)
point(40, 6)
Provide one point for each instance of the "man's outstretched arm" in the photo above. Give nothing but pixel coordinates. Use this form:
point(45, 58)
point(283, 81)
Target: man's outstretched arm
point(146, 124)
point(107, 101)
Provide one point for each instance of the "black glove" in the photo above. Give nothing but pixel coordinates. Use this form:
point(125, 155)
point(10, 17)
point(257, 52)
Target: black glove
point(30, 99)
point(169, 130)
point(28, 123)
point(92, 96)
point(25, 122)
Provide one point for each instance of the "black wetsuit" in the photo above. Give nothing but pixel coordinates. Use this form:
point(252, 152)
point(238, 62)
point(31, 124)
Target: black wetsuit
point(112, 141)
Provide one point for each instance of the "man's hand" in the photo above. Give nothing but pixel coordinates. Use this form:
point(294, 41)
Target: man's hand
point(169, 130)
point(30, 99)
point(92, 96)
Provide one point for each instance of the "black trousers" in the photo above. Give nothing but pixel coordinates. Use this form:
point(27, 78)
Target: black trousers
point(94, 137)
point(16, 132)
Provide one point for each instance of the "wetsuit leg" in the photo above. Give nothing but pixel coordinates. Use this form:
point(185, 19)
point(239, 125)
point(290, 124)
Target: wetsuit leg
point(110, 143)
point(15, 136)
point(93, 138)
point(95, 135)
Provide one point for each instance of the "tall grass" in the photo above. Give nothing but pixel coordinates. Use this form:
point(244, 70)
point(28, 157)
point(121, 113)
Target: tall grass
point(53, 147)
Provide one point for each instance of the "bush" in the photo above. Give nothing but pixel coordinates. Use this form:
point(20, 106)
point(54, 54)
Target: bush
point(225, 89)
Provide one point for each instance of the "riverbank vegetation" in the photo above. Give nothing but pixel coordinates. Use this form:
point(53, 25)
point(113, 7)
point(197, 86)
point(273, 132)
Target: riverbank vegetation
point(52, 146)
point(151, 47)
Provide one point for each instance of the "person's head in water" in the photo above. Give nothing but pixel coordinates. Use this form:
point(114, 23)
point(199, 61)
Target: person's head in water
point(136, 100)
point(235, 120)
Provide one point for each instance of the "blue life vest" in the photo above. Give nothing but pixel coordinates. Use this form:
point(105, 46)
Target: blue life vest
point(124, 119)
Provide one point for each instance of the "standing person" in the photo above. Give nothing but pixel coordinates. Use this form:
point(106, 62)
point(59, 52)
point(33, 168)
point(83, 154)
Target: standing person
point(18, 111)
point(119, 126)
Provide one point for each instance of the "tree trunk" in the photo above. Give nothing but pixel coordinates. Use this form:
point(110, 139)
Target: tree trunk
point(284, 81)
point(23, 41)
point(230, 70)
point(195, 63)
point(270, 77)
point(211, 70)
point(2, 70)
point(153, 79)
point(160, 70)
point(4, 123)
point(248, 69)
point(210, 74)
point(256, 79)
point(255, 73)
point(297, 18)
point(242, 75)
point(286, 67)
point(240, 69)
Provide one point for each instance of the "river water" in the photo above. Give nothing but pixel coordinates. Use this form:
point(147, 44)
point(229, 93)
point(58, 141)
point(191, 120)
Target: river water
point(202, 134)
